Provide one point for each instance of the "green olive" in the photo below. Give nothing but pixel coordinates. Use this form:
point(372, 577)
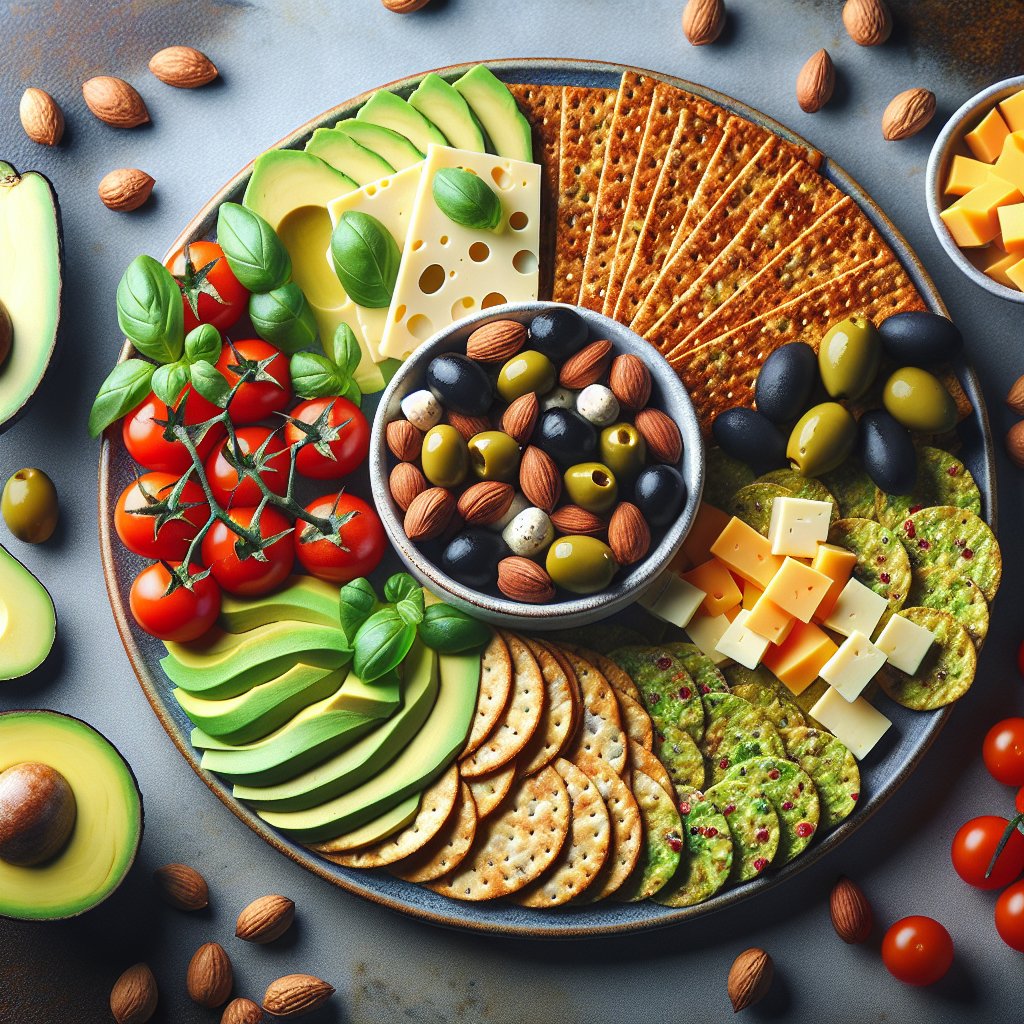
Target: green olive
point(528, 371)
point(623, 451)
point(494, 455)
point(849, 357)
point(445, 456)
point(917, 399)
point(29, 506)
point(582, 565)
point(591, 486)
point(822, 439)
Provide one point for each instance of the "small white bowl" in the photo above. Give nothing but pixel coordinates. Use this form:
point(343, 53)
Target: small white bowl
point(949, 143)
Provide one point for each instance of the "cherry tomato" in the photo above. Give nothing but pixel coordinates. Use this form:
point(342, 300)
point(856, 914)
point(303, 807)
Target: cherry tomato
point(363, 535)
point(1004, 751)
point(256, 400)
point(143, 436)
point(1010, 916)
point(917, 950)
point(138, 533)
point(349, 450)
point(223, 477)
point(180, 616)
point(249, 577)
point(973, 847)
point(1019, 801)
point(206, 280)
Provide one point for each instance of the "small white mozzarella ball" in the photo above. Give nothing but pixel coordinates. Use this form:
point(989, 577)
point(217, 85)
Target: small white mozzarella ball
point(558, 398)
point(597, 404)
point(519, 504)
point(422, 410)
point(529, 533)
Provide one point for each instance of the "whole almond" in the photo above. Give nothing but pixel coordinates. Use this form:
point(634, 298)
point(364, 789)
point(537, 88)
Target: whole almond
point(521, 579)
point(539, 479)
point(661, 434)
point(907, 114)
point(1015, 444)
point(115, 102)
point(183, 67)
point(41, 117)
point(134, 996)
point(851, 913)
point(703, 21)
point(630, 381)
point(867, 21)
point(1015, 396)
point(496, 342)
point(571, 519)
point(404, 441)
point(750, 977)
point(629, 536)
point(468, 426)
point(242, 1011)
point(296, 994)
point(520, 418)
point(125, 189)
point(816, 82)
point(404, 6)
point(587, 367)
point(265, 919)
point(182, 887)
point(406, 482)
point(429, 514)
point(485, 502)
point(210, 977)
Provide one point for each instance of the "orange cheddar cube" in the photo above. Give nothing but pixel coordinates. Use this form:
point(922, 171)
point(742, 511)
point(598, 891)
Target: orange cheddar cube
point(837, 564)
point(767, 619)
point(746, 553)
point(965, 174)
point(973, 219)
point(1015, 275)
point(1012, 109)
point(723, 593)
point(751, 593)
point(986, 141)
point(994, 262)
point(798, 661)
point(1010, 165)
point(707, 525)
point(798, 589)
point(1011, 227)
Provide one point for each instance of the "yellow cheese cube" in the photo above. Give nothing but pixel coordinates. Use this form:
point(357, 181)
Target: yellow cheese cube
point(798, 661)
point(1012, 109)
point(751, 593)
point(798, 589)
point(707, 525)
point(972, 219)
point(1011, 227)
point(767, 619)
point(746, 553)
point(858, 726)
point(837, 564)
point(1015, 275)
point(965, 174)
point(1010, 165)
point(986, 141)
point(723, 593)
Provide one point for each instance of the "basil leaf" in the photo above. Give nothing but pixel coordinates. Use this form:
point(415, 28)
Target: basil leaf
point(314, 376)
point(357, 602)
point(345, 350)
point(209, 382)
point(400, 587)
point(203, 343)
point(150, 310)
point(126, 385)
point(254, 253)
point(381, 644)
point(169, 380)
point(352, 393)
point(411, 611)
point(466, 199)
point(366, 259)
point(283, 317)
point(449, 630)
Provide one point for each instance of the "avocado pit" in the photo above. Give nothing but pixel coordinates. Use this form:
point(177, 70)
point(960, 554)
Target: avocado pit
point(6, 334)
point(37, 813)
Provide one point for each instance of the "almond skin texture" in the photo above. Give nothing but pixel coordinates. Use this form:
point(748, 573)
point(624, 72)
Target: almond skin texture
point(750, 977)
point(851, 913)
point(115, 102)
point(703, 21)
point(41, 117)
point(183, 67)
point(404, 6)
point(485, 502)
point(629, 536)
point(406, 482)
point(429, 514)
point(587, 367)
point(182, 887)
point(496, 342)
point(242, 1011)
point(816, 82)
point(134, 996)
point(468, 426)
point(659, 431)
point(210, 977)
point(1015, 396)
point(539, 479)
point(867, 21)
point(630, 381)
point(404, 441)
point(125, 189)
point(907, 114)
point(521, 579)
point(1015, 444)
point(296, 994)
point(265, 919)
point(520, 418)
point(571, 519)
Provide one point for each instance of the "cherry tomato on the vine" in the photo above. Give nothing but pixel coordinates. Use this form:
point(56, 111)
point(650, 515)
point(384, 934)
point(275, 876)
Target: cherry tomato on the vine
point(180, 616)
point(144, 436)
point(223, 477)
point(255, 400)
point(363, 535)
point(917, 950)
point(208, 286)
point(348, 451)
point(139, 532)
point(973, 848)
point(1019, 801)
point(1003, 751)
point(249, 577)
point(1010, 916)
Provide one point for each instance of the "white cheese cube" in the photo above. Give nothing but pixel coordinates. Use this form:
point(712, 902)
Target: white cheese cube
point(798, 526)
point(853, 666)
point(857, 610)
point(673, 599)
point(705, 631)
point(743, 645)
point(905, 643)
point(858, 725)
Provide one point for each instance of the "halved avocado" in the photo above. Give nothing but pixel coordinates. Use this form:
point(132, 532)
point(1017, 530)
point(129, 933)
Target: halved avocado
point(30, 284)
point(391, 111)
point(496, 108)
point(108, 817)
point(344, 154)
point(304, 599)
point(445, 107)
point(395, 148)
point(28, 622)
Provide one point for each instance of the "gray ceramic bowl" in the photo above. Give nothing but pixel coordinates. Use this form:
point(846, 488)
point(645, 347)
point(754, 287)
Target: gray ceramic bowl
point(667, 394)
point(949, 143)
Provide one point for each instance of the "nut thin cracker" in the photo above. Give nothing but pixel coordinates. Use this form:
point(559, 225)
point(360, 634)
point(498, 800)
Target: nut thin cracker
point(495, 691)
point(601, 734)
point(559, 719)
point(950, 592)
point(707, 863)
point(832, 768)
point(489, 790)
point(447, 849)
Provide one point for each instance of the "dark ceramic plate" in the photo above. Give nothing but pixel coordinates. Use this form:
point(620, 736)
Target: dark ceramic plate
point(884, 771)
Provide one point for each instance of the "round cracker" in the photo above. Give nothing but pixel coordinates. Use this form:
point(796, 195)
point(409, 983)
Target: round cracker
point(706, 675)
point(832, 768)
point(601, 735)
point(494, 694)
point(636, 721)
point(447, 849)
point(754, 826)
point(489, 790)
point(802, 487)
point(736, 731)
point(515, 845)
point(942, 479)
point(663, 841)
point(643, 760)
point(853, 490)
point(584, 852)
point(707, 864)
point(618, 677)
point(950, 592)
point(753, 504)
point(559, 719)
point(723, 477)
point(882, 562)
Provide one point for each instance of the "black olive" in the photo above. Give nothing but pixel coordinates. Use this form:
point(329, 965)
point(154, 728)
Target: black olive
point(919, 338)
point(472, 558)
point(558, 333)
point(750, 437)
point(460, 384)
point(786, 382)
point(660, 494)
point(887, 452)
point(566, 436)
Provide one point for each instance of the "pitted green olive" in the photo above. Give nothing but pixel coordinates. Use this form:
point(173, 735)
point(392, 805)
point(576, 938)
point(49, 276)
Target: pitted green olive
point(591, 486)
point(30, 506)
point(445, 456)
point(917, 399)
point(582, 565)
point(493, 455)
point(822, 439)
point(525, 372)
point(623, 451)
point(849, 357)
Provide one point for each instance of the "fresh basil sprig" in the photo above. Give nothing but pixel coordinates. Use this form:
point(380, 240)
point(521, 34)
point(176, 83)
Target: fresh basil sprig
point(203, 342)
point(126, 385)
point(169, 380)
point(150, 310)
point(323, 376)
point(381, 644)
point(356, 605)
point(202, 345)
point(449, 630)
point(366, 259)
point(284, 318)
point(407, 597)
point(466, 199)
point(255, 254)
point(210, 383)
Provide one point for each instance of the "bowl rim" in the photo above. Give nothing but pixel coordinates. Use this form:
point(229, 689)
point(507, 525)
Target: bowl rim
point(938, 159)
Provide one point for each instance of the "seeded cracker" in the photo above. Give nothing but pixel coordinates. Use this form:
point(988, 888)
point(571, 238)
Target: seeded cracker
point(601, 734)
point(736, 731)
point(942, 479)
point(947, 591)
point(753, 824)
point(558, 721)
point(663, 841)
point(882, 562)
point(447, 849)
point(707, 861)
point(489, 790)
point(753, 504)
point(495, 691)
point(767, 697)
point(832, 768)
point(706, 674)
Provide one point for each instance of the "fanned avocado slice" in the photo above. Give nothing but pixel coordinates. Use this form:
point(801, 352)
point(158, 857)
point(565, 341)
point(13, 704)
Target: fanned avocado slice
point(389, 145)
point(304, 599)
point(391, 111)
point(445, 107)
point(507, 129)
point(344, 154)
point(28, 623)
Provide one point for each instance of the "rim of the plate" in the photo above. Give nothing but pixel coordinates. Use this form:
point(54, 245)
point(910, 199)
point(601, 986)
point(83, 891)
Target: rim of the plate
point(539, 69)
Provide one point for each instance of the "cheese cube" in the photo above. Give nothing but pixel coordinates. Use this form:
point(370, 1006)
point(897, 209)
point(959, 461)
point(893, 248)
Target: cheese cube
point(1011, 227)
point(798, 526)
point(767, 619)
point(973, 219)
point(857, 610)
point(1012, 109)
point(1015, 275)
point(705, 631)
point(853, 666)
point(799, 659)
point(746, 553)
point(673, 599)
point(904, 643)
point(741, 644)
point(750, 595)
point(707, 525)
point(986, 141)
point(993, 262)
point(858, 725)
point(965, 174)
point(837, 564)
point(720, 589)
point(798, 589)
point(1010, 165)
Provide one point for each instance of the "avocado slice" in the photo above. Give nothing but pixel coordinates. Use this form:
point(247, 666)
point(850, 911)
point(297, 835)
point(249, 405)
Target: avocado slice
point(445, 107)
point(304, 599)
point(262, 709)
point(28, 622)
point(496, 108)
point(226, 664)
point(391, 111)
point(390, 822)
point(30, 285)
point(364, 759)
point(389, 145)
point(108, 817)
point(344, 154)
point(415, 767)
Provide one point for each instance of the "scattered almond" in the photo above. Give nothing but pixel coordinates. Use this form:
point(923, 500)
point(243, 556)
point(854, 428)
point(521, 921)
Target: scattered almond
point(1015, 396)
point(496, 342)
point(404, 6)
point(125, 189)
point(539, 479)
point(242, 1011)
point(521, 579)
point(867, 21)
point(406, 482)
point(183, 67)
point(660, 433)
point(816, 82)
point(265, 919)
point(429, 513)
point(907, 114)
point(115, 102)
point(296, 994)
point(571, 519)
point(41, 117)
point(485, 502)
point(703, 21)
point(630, 381)
point(210, 977)
point(587, 367)
point(629, 536)
point(1015, 444)
point(468, 426)
point(750, 977)
point(182, 887)
point(404, 441)
point(851, 913)
point(520, 418)
point(134, 996)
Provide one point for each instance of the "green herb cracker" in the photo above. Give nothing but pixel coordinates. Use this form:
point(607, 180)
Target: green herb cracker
point(736, 731)
point(942, 479)
point(753, 824)
point(853, 490)
point(958, 595)
point(723, 477)
point(882, 562)
point(663, 841)
point(760, 688)
point(705, 672)
point(707, 859)
point(832, 768)
point(753, 504)
point(801, 487)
